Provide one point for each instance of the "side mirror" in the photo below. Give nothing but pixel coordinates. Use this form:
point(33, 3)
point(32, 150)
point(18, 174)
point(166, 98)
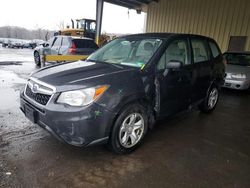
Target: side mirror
point(46, 45)
point(174, 65)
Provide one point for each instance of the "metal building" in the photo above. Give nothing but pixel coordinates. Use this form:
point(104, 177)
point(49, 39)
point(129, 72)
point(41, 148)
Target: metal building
point(227, 21)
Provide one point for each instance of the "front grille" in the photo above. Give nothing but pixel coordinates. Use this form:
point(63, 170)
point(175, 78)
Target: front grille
point(38, 97)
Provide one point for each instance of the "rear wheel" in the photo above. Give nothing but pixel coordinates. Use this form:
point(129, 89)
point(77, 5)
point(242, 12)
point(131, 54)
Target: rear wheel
point(37, 58)
point(129, 129)
point(211, 100)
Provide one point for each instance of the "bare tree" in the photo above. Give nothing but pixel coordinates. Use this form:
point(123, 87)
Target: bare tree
point(22, 33)
point(8, 31)
point(61, 25)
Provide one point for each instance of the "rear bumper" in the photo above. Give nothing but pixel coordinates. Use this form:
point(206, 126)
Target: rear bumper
point(75, 126)
point(235, 84)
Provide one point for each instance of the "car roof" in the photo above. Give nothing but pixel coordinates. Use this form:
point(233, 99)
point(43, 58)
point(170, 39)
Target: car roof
point(165, 35)
point(74, 37)
point(237, 52)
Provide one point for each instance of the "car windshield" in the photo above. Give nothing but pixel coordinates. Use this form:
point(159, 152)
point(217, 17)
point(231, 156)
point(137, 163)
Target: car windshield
point(127, 51)
point(238, 59)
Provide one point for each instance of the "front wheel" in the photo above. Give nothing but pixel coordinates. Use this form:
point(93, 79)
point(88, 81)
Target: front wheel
point(211, 100)
point(129, 129)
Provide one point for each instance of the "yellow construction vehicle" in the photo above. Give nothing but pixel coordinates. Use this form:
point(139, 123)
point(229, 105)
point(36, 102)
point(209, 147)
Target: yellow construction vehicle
point(83, 28)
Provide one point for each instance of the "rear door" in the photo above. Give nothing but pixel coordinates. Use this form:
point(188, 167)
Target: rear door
point(56, 46)
point(64, 49)
point(173, 87)
point(202, 68)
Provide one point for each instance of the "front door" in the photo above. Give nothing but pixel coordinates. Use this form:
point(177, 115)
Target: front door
point(173, 87)
point(56, 46)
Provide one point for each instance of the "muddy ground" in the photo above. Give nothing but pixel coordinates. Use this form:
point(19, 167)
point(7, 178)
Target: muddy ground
point(191, 150)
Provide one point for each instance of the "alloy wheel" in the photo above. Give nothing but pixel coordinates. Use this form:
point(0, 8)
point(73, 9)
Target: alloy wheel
point(213, 98)
point(131, 130)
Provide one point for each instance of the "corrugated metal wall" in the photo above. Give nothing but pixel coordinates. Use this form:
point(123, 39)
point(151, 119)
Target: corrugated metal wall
point(218, 19)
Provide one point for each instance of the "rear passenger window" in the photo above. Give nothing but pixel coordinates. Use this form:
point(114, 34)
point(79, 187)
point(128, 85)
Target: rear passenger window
point(214, 48)
point(65, 42)
point(199, 50)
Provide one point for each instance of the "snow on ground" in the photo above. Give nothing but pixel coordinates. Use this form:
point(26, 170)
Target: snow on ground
point(15, 67)
point(9, 54)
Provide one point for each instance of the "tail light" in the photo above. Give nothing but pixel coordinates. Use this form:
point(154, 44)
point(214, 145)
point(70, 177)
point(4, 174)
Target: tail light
point(72, 49)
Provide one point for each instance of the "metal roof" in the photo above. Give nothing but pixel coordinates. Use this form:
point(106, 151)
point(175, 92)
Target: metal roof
point(132, 4)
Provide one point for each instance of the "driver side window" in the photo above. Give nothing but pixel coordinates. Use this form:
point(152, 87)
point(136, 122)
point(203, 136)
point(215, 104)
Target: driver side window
point(57, 42)
point(51, 41)
point(176, 51)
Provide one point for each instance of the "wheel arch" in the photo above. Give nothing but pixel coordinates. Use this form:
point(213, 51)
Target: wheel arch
point(35, 51)
point(216, 82)
point(143, 101)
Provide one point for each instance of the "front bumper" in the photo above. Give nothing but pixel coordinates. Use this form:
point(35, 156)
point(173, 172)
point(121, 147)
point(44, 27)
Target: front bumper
point(235, 84)
point(76, 126)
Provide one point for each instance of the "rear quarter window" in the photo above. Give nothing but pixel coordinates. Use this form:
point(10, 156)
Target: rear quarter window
point(81, 43)
point(214, 49)
point(200, 52)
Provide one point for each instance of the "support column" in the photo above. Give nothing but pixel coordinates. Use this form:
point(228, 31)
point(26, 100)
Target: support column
point(99, 11)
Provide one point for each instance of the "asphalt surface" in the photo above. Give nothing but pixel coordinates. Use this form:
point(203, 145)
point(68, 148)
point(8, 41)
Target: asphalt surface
point(191, 150)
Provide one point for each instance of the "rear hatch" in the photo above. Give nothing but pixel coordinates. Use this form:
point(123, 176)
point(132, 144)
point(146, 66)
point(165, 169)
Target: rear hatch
point(83, 46)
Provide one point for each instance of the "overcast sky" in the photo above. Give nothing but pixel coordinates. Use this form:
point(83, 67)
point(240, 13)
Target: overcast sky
point(48, 14)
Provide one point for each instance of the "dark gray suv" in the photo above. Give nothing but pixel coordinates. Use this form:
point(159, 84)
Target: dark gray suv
point(117, 94)
point(65, 45)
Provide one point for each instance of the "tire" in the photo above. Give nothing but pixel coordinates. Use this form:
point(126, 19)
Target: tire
point(37, 58)
point(211, 100)
point(129, 129)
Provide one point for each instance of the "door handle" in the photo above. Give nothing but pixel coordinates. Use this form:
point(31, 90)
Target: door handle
point(180, 79)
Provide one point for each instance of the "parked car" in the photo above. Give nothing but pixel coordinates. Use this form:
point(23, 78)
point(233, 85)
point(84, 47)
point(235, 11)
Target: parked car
point(4, 44)
point(15, 44)
point(10, 44)
point(30, 45)
point(65, 45)
point(237, 70)
point(116, 95)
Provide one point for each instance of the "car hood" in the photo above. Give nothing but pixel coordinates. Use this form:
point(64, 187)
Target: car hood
point(237, 69)
point(69, 76)
point(39, 47)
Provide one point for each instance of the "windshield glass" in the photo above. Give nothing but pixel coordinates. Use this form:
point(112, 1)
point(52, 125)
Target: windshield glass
point(81, 23)
point(127, 51)
point(238, 59)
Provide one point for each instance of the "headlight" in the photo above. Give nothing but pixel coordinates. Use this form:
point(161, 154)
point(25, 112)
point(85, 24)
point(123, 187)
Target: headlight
point(238, 76)
point(81, 97)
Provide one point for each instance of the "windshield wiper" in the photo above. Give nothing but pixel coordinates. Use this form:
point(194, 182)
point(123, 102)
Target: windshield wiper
point(104, 62)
